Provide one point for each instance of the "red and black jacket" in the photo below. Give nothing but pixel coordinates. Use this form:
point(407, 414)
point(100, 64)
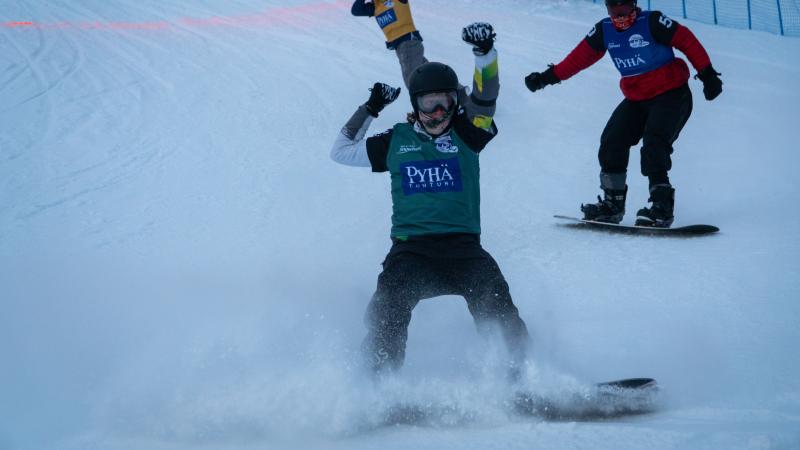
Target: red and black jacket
point(649, 84)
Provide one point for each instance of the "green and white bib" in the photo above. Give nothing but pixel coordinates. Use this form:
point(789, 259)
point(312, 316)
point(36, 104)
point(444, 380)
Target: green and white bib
point(435, 184)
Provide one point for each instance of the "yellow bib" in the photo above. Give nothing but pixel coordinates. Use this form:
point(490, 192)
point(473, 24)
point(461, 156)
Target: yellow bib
point(394, 18)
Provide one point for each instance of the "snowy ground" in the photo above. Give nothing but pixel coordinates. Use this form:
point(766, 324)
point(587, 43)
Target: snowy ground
point(183, 267)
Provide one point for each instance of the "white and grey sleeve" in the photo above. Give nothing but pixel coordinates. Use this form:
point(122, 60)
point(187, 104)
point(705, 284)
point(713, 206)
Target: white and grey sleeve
point(350, 147)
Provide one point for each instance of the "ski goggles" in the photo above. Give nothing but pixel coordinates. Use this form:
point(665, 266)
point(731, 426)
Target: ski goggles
point(434, 101)
point(622, 16)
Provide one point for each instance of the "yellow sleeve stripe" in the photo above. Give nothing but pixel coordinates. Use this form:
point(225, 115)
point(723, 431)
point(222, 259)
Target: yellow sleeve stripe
point(485, 73)
point(484, 122)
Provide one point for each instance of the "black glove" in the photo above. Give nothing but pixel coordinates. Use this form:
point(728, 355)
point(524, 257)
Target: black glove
point(537, 80)
point(381, 95)
point(712, 85)
point(481, 35)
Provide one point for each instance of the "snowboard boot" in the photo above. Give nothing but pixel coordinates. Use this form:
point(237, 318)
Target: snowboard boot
point(609, 209)
point(662, 197)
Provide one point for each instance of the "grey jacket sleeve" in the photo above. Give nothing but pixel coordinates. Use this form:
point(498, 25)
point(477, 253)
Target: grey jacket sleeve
point(350, 147)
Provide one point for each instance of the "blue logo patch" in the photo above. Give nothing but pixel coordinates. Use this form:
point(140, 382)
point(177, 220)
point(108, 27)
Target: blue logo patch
point(387, 18)
point(441, 175)
point(444, 144)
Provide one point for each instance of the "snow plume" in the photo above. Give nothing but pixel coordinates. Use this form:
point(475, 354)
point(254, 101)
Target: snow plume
point(193, 357)
point(216, 363)
point(320, 395)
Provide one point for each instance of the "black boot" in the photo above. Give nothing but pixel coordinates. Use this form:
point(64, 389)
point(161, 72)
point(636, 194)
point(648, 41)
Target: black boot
point(610, 209)
point(659, 214)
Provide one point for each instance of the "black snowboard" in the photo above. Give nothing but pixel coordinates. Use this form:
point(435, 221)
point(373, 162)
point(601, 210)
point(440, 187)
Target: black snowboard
point(688, 230)
point(604, 401)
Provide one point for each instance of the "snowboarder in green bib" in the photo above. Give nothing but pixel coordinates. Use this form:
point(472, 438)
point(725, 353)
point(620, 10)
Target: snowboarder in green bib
point(434, 166)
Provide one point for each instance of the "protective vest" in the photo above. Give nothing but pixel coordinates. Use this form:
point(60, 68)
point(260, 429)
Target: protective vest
point(435, 184)
point(634, 51)
point(394, 18)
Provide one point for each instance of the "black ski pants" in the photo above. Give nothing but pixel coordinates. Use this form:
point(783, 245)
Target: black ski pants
point(657, 122)
point(409, 277)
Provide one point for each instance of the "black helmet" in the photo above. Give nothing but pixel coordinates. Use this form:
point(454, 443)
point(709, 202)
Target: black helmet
point(431, 77)
point(619, 2)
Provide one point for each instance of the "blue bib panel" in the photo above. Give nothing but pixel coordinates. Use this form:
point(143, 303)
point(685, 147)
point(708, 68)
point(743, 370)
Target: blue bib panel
point(387, 18)
point(634, 51)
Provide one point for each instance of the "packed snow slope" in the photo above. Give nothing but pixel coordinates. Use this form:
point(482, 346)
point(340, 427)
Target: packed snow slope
point(183, 267)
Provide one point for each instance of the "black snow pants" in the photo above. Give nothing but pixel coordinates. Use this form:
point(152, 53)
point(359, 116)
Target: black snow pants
point(657, 122)
point(452, 265)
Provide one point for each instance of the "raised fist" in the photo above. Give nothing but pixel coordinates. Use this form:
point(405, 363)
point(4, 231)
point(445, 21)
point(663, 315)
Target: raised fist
point(481, 35)
point(382, 94)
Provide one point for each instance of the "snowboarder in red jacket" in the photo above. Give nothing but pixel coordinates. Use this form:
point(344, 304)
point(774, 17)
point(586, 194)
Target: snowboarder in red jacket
point(657, 102)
